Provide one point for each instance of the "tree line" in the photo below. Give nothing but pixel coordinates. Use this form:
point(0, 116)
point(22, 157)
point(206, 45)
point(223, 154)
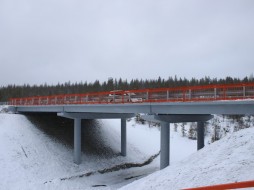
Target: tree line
point(26, 90)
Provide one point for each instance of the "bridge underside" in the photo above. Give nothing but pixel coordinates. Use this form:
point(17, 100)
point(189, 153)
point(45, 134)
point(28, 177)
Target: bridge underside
point(164, 120)
point(77, 129)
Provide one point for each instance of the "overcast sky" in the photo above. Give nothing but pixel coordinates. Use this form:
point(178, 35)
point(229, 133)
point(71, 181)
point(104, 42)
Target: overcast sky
point(79, 40)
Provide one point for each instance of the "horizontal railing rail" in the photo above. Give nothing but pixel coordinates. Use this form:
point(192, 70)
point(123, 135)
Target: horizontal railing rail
point(179, 94)
point(236, 185)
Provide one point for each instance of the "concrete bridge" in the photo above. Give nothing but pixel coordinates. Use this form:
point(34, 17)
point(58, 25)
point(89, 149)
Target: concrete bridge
point(168, 105)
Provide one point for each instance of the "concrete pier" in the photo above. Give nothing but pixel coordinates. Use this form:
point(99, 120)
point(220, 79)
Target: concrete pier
point(77, 140)
point(165, 144)
point(123, 138)
point(200, 135)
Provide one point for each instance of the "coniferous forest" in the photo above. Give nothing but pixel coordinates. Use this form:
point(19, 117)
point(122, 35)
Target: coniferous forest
point(26, 90)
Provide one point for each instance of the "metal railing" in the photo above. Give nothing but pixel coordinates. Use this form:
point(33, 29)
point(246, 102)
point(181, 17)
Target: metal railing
point(236, 185)
point(3, 103)
point(179, 94)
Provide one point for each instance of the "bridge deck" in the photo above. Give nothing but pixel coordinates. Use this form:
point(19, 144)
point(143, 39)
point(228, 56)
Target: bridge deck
point(215, 107)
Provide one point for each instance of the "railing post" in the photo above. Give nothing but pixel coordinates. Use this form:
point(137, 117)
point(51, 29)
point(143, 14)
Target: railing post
point(147, 95)
point(167, 95)
point(80, 99)
point(64, 99)
point(244, 91)
point(190, 94)
point(215, 93)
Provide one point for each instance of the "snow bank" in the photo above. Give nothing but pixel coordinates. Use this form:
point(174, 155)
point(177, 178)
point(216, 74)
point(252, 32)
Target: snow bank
point(227, 160)
point(28, 155)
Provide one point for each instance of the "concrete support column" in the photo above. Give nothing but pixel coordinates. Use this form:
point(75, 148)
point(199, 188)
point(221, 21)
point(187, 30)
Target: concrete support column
point(200, 135)
point(165, 133)
point(77, 140)
point(123, 138)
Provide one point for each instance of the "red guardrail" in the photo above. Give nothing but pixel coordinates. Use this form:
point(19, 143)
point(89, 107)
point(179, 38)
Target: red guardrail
point(237, 185)
point(179, 94)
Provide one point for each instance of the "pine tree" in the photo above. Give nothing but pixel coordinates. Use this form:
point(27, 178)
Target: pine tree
point(192, 132)
point(183, 130)
point(175, 127)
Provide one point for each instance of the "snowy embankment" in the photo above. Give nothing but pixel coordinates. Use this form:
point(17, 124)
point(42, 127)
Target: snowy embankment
point(227, 160)
point(32, 159)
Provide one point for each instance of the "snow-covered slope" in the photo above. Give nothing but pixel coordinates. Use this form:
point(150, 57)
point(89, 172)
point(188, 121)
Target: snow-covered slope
point(227, 160)
point(31, 159)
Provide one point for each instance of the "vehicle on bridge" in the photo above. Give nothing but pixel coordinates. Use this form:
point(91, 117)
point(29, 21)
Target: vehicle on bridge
point(123, 96)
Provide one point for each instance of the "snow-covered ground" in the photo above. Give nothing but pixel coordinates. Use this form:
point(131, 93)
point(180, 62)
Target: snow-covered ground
point(31, 159)
point(225, 161)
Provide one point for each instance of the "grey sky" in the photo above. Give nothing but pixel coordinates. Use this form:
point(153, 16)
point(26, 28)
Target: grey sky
point(76, 40)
